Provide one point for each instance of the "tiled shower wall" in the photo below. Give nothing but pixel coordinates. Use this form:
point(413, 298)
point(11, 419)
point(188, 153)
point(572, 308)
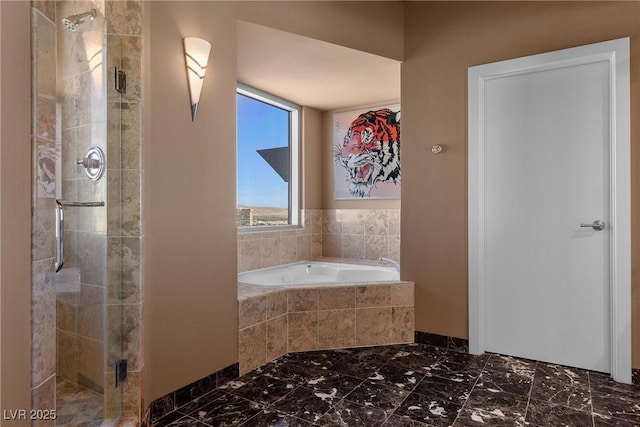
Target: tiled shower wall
point(64, 118)
point(342, 233)
point(125, 233)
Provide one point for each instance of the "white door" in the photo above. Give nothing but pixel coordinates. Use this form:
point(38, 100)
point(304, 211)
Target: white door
point(548, 211)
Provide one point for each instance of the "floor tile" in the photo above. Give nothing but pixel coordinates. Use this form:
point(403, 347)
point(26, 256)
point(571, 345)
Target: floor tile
point(546, 414)
point(373, 394)
point(350, 414)
point(411, 385)
point(434, 412)
point(305, 403)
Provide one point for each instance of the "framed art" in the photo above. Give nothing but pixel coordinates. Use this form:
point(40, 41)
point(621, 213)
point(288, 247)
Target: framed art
point(366, 153)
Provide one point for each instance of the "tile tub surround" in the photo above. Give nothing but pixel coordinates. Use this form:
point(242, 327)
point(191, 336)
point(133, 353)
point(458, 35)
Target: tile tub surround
point(414, 385)
point(365, 234)
point(274, 320)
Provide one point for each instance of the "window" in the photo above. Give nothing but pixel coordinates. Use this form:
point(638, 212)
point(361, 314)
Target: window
point(267, 160)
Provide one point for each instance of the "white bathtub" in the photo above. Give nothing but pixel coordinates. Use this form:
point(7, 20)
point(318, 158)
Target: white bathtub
point(313, 272)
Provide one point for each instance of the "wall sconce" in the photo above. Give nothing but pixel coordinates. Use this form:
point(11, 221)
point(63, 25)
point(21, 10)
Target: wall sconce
point(196, 55)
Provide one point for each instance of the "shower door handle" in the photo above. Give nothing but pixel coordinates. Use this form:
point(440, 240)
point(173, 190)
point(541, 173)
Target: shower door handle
point(597, 225)
point(60, 204)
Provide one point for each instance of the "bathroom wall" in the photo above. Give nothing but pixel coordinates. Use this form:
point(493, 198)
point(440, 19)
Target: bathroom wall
point(15, 208)
point(190, 284)
point(442, 39)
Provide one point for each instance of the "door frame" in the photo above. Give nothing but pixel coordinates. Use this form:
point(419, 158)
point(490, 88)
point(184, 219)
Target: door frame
point(616, 53)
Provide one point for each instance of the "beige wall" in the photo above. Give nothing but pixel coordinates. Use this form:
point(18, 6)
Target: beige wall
point(345, 23)
point(311, 158)
point(190, 216)
point(15, 208)
point(442, 39)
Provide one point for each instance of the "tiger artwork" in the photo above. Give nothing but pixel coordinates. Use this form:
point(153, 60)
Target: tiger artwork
point(370, 152)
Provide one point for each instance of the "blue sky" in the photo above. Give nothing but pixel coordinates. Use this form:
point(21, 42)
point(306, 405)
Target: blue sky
point(260, 126)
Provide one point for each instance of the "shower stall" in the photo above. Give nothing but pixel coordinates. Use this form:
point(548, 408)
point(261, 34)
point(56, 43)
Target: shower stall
point(79, 365)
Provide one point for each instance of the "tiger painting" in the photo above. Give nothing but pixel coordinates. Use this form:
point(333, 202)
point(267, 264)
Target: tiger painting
point(370, 152)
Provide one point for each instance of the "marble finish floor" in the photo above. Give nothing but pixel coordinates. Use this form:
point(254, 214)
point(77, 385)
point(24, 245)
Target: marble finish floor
point(77, 406)
point(412, 385)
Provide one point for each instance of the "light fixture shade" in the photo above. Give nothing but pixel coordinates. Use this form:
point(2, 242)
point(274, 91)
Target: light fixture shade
point(196, 56)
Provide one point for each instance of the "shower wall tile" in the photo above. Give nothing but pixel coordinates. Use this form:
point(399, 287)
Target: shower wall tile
point(114, 338)
point(132, 64)
point(44, 49)
point(114, 197)
point(131, 135)
point(45, 122)
point(91, 312)
point(131, 256)
point(68, 154)
point(43, 320)
point(48, 9)
point(67, 355)
point(43, 399)
point(67, 99)
point(125, 17)
point(114, 123)
point(132, 335)
point(131, 213)
point(91, 364)
point(132, 397)
point(42, 238)
point(67, 311)
point(92, 247)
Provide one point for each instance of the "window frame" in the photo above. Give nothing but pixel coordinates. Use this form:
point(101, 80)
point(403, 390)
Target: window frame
point(295, 159)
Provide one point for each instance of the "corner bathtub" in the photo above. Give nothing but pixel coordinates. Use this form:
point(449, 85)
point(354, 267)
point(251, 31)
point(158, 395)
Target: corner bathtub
point(318, 273)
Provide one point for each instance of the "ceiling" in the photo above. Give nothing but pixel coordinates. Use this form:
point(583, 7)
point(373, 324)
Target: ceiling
point(313, 73)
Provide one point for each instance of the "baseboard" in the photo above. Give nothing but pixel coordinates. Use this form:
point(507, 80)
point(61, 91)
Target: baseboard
point(450, 343)
point(169, 403)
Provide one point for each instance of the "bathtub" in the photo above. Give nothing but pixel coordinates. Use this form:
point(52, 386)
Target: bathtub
point(318, 273)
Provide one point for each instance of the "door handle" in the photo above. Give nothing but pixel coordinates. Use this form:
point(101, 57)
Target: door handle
point(597, 225)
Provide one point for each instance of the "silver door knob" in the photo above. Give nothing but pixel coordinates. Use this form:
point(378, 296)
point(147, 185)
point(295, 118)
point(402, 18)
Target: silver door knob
point(597, 225)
